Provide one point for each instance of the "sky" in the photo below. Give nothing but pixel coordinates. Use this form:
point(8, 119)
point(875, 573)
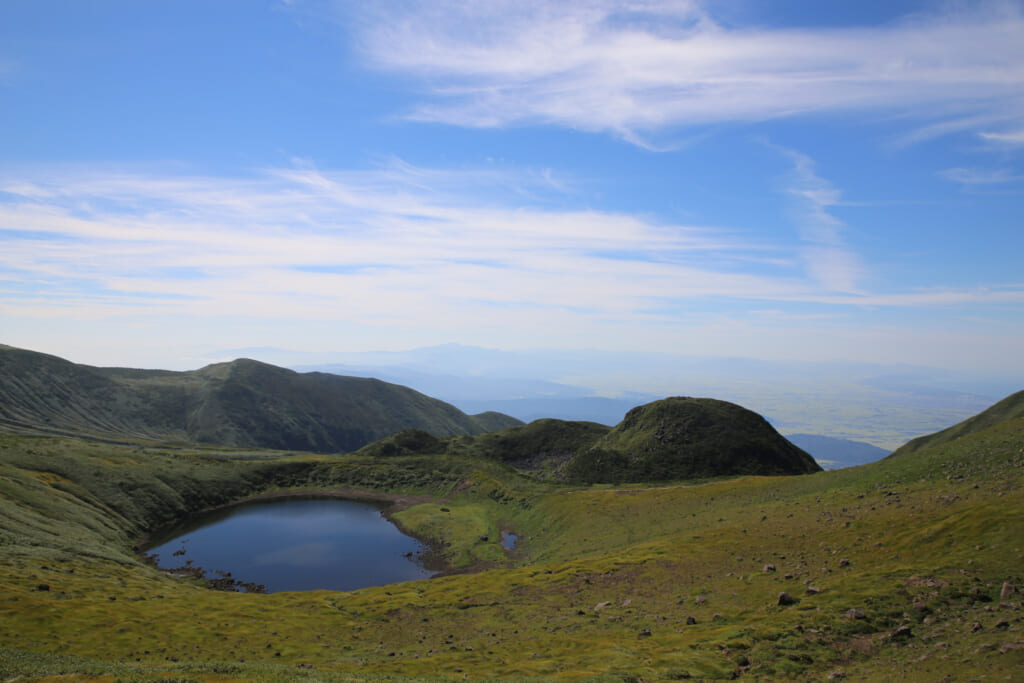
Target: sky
point(783, 180)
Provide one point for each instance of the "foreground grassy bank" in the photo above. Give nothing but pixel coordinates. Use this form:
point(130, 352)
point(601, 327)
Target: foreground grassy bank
point(906, 568)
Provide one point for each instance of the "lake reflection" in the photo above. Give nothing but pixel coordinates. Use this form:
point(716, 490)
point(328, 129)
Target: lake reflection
point(295, 544)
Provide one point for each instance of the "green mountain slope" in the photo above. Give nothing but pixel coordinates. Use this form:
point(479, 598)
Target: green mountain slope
point(1010, 408)
point(688, 438)
point(541, 448)
point(242, 403)
point(670, 439)
point(903, 569)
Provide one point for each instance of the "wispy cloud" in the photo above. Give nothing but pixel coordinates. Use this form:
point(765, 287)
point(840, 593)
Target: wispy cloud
point(400, 245)
point(827, 258)
point(298, 242)
point(641, 67)
point(1013, 137)
point(975, 176)
point(404, 256)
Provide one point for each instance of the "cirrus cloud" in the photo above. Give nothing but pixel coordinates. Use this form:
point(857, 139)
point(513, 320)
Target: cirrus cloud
point(640, 67)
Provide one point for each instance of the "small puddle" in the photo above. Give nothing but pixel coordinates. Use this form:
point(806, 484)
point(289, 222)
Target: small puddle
point(508, 540)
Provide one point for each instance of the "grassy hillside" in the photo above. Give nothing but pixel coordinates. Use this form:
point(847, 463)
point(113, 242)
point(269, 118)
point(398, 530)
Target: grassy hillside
point(909, 568)
point(542, 448)
point(1010, 408)
point(243, 403)
point(688, 438)
point(671, 439)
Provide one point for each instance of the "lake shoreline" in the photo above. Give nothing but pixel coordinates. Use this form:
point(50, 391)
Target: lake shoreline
point(432, 558)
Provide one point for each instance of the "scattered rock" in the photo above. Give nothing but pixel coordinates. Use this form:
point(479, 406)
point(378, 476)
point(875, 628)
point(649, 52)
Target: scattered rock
point(836, 676)
point(601, 605)
point(646, 633)
point(844, 563)
point(1007, 590)
point(786, 599)
point(920, 606)
point(856, 614)
point(700, 600)
point(768, 568)
point(904, 632)
point(977, 627)
point(811, 590)
point(1011, 646)
point(690, 621)
point(43, 587)
point(1002, 624)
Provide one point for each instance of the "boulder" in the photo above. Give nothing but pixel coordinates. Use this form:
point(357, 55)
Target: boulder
point(785, 599)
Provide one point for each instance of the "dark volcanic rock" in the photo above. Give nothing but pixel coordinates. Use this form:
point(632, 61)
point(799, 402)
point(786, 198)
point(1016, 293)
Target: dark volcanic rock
point(904, 632)
point(785, 599)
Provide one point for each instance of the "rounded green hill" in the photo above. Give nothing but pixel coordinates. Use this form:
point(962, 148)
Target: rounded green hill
point(689, 438)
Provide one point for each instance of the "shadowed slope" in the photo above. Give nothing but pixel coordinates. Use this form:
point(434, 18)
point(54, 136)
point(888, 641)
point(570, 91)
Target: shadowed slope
point(242, 403)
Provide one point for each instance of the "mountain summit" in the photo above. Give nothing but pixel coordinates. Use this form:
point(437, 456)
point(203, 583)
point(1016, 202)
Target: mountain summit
point(688, 438)
point(242, 403)
point(667, 440)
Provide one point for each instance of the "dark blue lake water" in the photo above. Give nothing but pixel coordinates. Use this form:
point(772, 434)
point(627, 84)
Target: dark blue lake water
point(295, 544)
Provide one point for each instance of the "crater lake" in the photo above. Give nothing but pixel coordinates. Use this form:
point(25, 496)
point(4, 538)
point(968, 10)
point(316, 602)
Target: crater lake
point(293, 544)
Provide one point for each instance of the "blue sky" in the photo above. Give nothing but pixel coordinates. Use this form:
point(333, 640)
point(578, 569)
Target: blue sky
point(781, 180)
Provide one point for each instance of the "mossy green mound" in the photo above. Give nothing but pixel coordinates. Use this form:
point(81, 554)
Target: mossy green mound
point(668, 440)
point(689, 438)
point(542, 447)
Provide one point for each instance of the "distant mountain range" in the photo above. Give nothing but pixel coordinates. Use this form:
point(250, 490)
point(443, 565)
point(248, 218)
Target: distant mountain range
point(242, 403)
point(882, 404)
point(246, 403)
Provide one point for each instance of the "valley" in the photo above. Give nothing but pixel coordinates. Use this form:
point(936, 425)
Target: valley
point(908, 567)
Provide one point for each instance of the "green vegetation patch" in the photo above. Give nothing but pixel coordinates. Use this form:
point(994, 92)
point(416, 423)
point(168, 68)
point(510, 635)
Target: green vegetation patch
point(909, 567)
